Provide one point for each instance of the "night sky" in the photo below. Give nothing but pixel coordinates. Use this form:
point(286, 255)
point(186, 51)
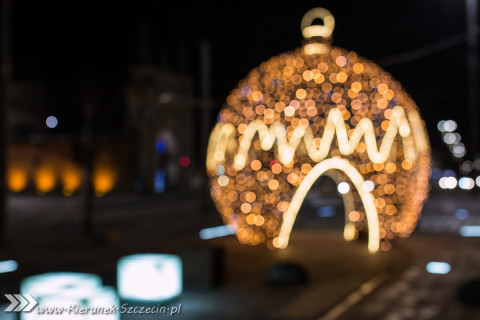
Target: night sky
point(74, 46)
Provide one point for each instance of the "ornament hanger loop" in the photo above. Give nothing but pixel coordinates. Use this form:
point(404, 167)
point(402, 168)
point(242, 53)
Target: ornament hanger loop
point(315, 30)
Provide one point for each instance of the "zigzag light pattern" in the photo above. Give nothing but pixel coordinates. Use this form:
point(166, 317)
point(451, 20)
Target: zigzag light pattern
point(221, 140)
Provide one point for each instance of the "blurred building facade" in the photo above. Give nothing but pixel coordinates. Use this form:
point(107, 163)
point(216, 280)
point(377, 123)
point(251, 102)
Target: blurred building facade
point(160, 114)
point(156, 151)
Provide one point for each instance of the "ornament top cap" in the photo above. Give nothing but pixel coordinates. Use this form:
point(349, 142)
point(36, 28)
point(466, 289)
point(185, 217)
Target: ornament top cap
point(310, 30)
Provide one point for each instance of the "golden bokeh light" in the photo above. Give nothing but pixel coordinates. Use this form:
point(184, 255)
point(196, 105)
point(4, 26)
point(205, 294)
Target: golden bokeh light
point(45, 179)
point(309, 113)
point(104, 179)
point(71, 179)
point(17, 179)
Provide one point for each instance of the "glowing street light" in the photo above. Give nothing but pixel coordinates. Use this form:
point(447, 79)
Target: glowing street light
point(466, 183)
point(459, 150)
point(452, 138)
point(51, 122)
point(440, 126)
point(449, 126)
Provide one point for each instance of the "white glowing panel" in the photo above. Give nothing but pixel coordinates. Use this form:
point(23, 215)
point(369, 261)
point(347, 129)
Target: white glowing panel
point(149, 277)
point(470, 231)
point(437, 267)
point(8, 266)
point(55, 283)
point(70, 296)
point(217, 232)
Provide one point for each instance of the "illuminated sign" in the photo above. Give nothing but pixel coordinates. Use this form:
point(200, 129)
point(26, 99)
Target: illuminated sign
point(68, 295)
point(319, 110)
point(150, 277)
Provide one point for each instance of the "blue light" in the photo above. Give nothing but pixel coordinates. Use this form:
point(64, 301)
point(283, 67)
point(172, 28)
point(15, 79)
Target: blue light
point(325, 212)
point(437, 267)
point(470, 231)
point(220, 169)
point(160, 146)
point(449, 173)
point(217, 232)
point(159, 181)
point(462, 214)
point(8, 266)
point(436, 173)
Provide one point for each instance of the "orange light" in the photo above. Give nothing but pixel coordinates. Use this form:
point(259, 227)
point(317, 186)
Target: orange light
point(103, 180)
point(71, 179)
point(17, 179)
point(45, 179)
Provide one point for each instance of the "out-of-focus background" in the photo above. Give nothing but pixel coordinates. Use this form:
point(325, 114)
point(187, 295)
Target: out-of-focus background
point(106, 109)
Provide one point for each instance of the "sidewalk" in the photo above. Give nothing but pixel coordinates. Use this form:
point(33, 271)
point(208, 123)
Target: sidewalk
point(47, 237)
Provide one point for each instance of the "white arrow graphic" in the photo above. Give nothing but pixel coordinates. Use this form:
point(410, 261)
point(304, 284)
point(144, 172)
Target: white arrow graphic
point(31, 303)
point(20, 302)
point(23, 303)
point(13, 302)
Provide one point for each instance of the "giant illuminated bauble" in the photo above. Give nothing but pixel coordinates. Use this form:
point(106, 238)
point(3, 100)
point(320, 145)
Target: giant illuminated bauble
point(319, 110)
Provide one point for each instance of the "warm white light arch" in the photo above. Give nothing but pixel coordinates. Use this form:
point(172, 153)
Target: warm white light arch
point(367, 199)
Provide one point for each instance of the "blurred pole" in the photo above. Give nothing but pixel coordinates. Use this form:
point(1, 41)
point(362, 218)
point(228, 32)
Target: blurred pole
point(6, 73)
point(472, 70)
point(206, 94)
point(206, 102)
point(87, 158)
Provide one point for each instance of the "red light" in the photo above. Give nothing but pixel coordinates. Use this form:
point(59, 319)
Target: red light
point(273, 162)
point(184, 161)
